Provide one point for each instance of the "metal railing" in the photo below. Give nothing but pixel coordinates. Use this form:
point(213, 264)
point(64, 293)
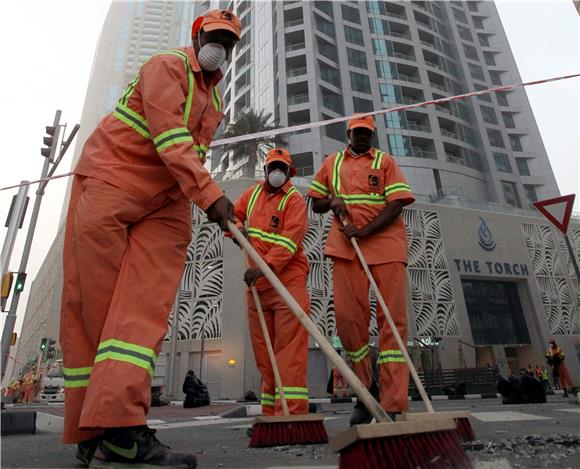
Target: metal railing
point(448, 133)
point(295, 46)
point(296, 22)
point(419, 127)
point(420, 153)
point(295, 72)
point(400, 55)
point(404, 77)
point(399, 35)
point(298, 99)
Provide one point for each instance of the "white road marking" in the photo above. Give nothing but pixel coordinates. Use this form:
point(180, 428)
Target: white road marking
point(500, 463)
point(155, 422)
point(506, 416)
point(208, 417)
point(199, 423)
point(575, 411)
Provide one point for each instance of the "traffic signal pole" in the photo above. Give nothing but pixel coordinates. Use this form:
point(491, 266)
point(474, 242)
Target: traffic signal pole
point(49, 158)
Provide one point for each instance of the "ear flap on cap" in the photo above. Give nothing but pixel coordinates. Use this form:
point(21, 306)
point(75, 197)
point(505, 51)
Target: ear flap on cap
point(196, 27)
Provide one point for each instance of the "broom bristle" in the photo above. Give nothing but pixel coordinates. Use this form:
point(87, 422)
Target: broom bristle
point(464, 429)
point(288, 433)
point(425, 450)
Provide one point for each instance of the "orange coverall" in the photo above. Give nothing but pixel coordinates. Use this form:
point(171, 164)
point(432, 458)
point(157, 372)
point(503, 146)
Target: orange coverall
point(276, 224)
point(365, 183)
point(128, 228)
point(565, 378)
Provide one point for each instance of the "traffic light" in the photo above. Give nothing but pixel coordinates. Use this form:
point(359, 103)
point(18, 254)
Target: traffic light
point(51, 350)
point(6, 287)
point(43, 343)
point(51, 142)
point(19, 285)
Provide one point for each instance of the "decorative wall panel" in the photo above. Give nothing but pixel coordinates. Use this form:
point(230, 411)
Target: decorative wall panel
point(555, 276)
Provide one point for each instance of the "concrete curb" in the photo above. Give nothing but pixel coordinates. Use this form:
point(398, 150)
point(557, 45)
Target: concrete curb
point(18, 422)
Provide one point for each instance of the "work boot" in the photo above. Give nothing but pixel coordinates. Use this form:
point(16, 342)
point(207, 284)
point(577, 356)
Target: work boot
point(360, 414)
point(139, 446)
point(86, 450)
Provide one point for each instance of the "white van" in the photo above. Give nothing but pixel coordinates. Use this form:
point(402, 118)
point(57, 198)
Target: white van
point(53, 385)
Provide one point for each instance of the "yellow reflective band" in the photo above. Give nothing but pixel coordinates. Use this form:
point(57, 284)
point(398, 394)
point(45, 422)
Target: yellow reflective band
point(267, 399)
point(391, 356)
point(320, 188)
point(363, 199)
point(359, 355)
point(77, 377)
point(132, 119)
point(216, 99)
point(273, 238)
point(252, 202)
point(172, 137)
point(114, 349)
point(282, 204)
point(397, 187)
point(377, 160)
point(129, 91)
point(336, 172)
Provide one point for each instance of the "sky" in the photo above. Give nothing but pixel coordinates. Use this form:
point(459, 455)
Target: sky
point(47, 50)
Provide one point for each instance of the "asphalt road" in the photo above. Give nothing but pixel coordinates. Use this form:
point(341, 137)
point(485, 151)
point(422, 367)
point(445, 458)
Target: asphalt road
point(222, 442)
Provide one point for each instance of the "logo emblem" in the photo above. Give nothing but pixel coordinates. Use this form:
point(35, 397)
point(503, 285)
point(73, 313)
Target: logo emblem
point(127, 453)
point(373, 180)
point(274, 222)
point(227, 15)
point(486, 241)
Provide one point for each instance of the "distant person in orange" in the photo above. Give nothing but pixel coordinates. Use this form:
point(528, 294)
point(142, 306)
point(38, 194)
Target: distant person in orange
point(273, 213)
point(555, 357)
point(365, 187)
point(128, 228)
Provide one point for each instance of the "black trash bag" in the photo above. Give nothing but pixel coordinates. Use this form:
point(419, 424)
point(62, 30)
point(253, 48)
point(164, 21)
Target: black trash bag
point(533, 391)
point(250, 396)
point(196, 393)
point(528, 390)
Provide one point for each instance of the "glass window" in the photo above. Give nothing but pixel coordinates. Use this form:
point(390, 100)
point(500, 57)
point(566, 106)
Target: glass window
point(478, 22)
point(324, 26)
point(329, 74)
point(470, 52)
point(360, 82)
point(375, 7)
point(332, 100)
point(502, 99)
point(399, 145)
point(362, 105)
point(354, 36)
point(350, 14)
point(378, 27)
point(356, 58)
point(502, 162)
point(510, 193)
point(495, 138)
point(386, 70)
point(390, 94)
point(382, 47)
point(489, 58)
point(483, 97)
point(495, 78)
point(465, 33)
point(488, 114)
point(325, 6)
point(395, 120)
point(523, 168)
point(516, 143)
point(336, 131)
point(459, 15)
point(303, 163)
point(476, 72)
point(483, 40)
point(531, 194)
point(508, 120)
point(327, 49)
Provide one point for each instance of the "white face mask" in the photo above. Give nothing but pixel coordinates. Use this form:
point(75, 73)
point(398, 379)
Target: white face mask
point(276, 178)
point(211, 56)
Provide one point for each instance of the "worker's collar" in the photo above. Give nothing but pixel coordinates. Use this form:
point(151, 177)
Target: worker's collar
point(215, 77)
point(370, 153)
point(285, 188)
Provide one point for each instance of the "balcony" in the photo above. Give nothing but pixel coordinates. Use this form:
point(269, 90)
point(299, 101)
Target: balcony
point(418, 127)
point(298, 99)
point(420, 153)
point(295, 22)
point(296, 72)
point(438, 86)
point(409, 78)
point(295, 46)
point(448, 133)
point(400, 55)
point(400, 35)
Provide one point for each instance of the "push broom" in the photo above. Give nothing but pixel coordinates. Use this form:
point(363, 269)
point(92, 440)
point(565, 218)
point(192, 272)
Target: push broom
point(385, 444)
point(464, 429)
point(277, 430)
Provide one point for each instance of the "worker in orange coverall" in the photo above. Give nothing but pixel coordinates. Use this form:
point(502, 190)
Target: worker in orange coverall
point(276, 221)
point(555, 357)
point(128, 228)
point(364, 186)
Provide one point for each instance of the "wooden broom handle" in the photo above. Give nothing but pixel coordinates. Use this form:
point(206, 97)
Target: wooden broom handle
point(361, 391)
point(389, 318)
point(277, 379)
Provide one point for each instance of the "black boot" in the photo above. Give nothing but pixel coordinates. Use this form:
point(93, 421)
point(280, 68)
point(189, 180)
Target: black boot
point(360, 414)
point(86, 450)
point(138, 445)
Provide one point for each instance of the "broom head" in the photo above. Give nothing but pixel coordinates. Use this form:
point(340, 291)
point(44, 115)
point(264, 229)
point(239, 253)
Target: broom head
point(464, 429)
point(427, 443)
point(288, 430)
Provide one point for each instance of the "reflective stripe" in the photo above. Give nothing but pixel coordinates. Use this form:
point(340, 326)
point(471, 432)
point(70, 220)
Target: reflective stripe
point(293, 393)
point(372, 199)
point(336, 172)
point(134, 354)
point(172, 137)
point(216, 99)
point(132, 119)
point(129, 91)
point(391, 356)
point(320, 188)
point(397, 187)
point(201, 150)
point(273, 238)
point(77, 377)
point(359, 355)
point(267, 399)
point(377, 160)
point(282, 203)
point(252, 202)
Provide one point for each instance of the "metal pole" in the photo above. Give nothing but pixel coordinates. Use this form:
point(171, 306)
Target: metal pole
point(173, 348)
point(572, 256)
point(201, 353)
point(11, 318)
point(16, 216)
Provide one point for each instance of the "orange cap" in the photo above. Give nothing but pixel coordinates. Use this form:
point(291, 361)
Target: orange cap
point(282, 155)
point(217, 19)
point(368, 122)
